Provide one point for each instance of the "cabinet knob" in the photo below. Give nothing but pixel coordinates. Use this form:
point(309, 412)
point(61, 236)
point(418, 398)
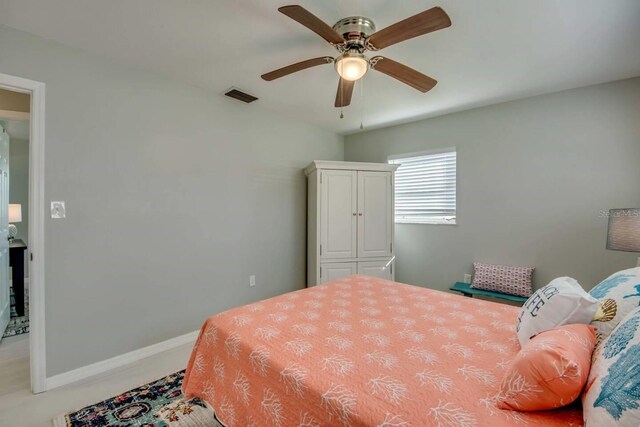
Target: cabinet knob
point(360, 214)
point(354, 214)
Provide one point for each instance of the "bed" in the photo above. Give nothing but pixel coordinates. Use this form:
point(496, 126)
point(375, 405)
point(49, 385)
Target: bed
point(360, 351)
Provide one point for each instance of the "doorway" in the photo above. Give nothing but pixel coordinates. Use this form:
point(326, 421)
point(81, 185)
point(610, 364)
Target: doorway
point(22, 231)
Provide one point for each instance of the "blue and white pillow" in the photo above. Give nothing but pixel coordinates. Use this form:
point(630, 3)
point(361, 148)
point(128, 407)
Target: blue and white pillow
point(612, 395)
point(622, 290)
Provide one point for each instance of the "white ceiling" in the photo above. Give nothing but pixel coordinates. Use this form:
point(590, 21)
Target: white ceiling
point(496, 50)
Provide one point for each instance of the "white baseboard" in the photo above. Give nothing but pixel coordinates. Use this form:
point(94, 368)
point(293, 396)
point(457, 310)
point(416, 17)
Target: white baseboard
point(118, 361)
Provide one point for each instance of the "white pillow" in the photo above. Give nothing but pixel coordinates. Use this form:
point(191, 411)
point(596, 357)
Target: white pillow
point(611, 395)
point(561, 302)
point(620, 294)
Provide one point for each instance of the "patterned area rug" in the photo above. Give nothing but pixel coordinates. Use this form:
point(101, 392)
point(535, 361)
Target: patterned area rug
point(18, 325)
point(158, 404)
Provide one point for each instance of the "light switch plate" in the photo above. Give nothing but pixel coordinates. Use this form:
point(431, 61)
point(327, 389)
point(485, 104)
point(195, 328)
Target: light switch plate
point(58, 210)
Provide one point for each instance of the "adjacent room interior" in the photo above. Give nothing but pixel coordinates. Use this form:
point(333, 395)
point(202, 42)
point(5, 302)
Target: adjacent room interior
point(365, 213)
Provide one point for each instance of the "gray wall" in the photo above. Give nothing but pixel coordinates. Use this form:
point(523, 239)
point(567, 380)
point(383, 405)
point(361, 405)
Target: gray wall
point(533, 177)
point(19, 186)
point(174, 197)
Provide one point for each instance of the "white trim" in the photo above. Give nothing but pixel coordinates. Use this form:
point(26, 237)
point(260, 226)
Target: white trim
point(421, 153)
point(119, 361)
point(37, 341)
point(361, 166)
point(14, 115)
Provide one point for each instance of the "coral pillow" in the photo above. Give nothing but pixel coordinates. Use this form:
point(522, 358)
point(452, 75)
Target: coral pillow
point(561, 302)
point(502, 278)
point(550, 371)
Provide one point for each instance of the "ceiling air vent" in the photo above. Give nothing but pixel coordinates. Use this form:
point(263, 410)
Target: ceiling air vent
point(240, 95)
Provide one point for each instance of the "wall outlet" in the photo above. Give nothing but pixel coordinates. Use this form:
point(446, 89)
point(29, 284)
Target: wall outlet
point(252, 281)
point(467, 278)
point(58, 210)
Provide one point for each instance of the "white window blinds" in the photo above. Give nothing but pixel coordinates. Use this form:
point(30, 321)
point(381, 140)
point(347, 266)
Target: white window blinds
point(425, 187)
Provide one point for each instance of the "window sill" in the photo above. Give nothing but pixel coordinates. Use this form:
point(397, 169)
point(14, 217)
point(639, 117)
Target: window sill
point(428, 222)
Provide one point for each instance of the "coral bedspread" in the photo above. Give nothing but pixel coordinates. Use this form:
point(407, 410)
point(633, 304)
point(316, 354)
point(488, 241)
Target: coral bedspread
point(360, 352)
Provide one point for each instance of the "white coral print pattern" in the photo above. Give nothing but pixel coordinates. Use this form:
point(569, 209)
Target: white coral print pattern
point(293, 378)
point(267, 333)
point(299, 347)
point(339, 342)
point(422, 354)
point(259, 360)
point(232, 345)
point(480, 375)
point(385, 360)
point(210, 335)
point(389, 388)
point(377, 339)
point(241, 387)
point(450, 415)
point(308, 421)
point(391, 420)
point(516, 385)
point(356, 355)
point(493, 346)
point(272, 407)
point(455, 349)
point(434, 379)
point(218, 368)
point(340, 403)
point(242, 319)
point(305, 329)
point(227, 412)
point(338, 365)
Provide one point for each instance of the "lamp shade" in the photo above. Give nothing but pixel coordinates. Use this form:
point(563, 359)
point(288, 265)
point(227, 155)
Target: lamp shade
point(624, 230)
point(15, 212)
point(352, 66)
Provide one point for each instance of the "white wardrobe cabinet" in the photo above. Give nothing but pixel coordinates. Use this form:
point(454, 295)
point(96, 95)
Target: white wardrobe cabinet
point(350, 220)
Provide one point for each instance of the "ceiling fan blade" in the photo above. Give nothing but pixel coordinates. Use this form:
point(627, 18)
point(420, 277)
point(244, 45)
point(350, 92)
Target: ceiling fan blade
point(312, 22)
point(401, 72)
point(414, 26)
point(298, 66)
point(345, 90)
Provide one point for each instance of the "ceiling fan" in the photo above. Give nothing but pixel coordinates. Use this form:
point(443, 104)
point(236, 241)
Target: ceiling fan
point(355, 35)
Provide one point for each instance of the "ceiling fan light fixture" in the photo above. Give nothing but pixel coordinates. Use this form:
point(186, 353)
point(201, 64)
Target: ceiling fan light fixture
point(352, 65)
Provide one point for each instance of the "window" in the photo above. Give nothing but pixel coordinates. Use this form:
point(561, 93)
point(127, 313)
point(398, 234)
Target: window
point(426, 187)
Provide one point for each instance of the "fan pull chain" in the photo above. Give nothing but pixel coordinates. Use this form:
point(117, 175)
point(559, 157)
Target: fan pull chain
point(341, 83)
point(361, 102)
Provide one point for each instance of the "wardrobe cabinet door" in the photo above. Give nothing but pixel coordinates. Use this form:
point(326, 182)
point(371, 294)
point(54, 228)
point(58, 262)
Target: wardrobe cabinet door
point(375, 214)
point(336, 270)
point(376, 269)
point(338, 220)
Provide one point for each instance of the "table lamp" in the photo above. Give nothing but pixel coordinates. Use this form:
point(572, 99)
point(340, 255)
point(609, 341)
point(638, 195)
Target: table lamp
point(624, 230)
point(15, 215)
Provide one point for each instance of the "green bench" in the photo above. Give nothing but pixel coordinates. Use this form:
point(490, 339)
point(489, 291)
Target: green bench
point(466, 290)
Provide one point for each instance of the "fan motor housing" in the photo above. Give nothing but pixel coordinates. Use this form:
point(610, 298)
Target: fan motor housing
point(355, 29)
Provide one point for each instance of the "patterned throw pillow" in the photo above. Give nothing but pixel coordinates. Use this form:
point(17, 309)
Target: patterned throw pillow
point(612, 395)
point(550, 371)
point(620, 294)
point(561, 302)
point(502, 278)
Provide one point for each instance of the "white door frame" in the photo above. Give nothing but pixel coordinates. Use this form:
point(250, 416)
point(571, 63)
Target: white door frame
point(37, 342)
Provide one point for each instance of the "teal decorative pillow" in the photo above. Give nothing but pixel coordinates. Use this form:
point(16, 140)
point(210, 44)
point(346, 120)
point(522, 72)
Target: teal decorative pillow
point(612, 394)
point(619, 294)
